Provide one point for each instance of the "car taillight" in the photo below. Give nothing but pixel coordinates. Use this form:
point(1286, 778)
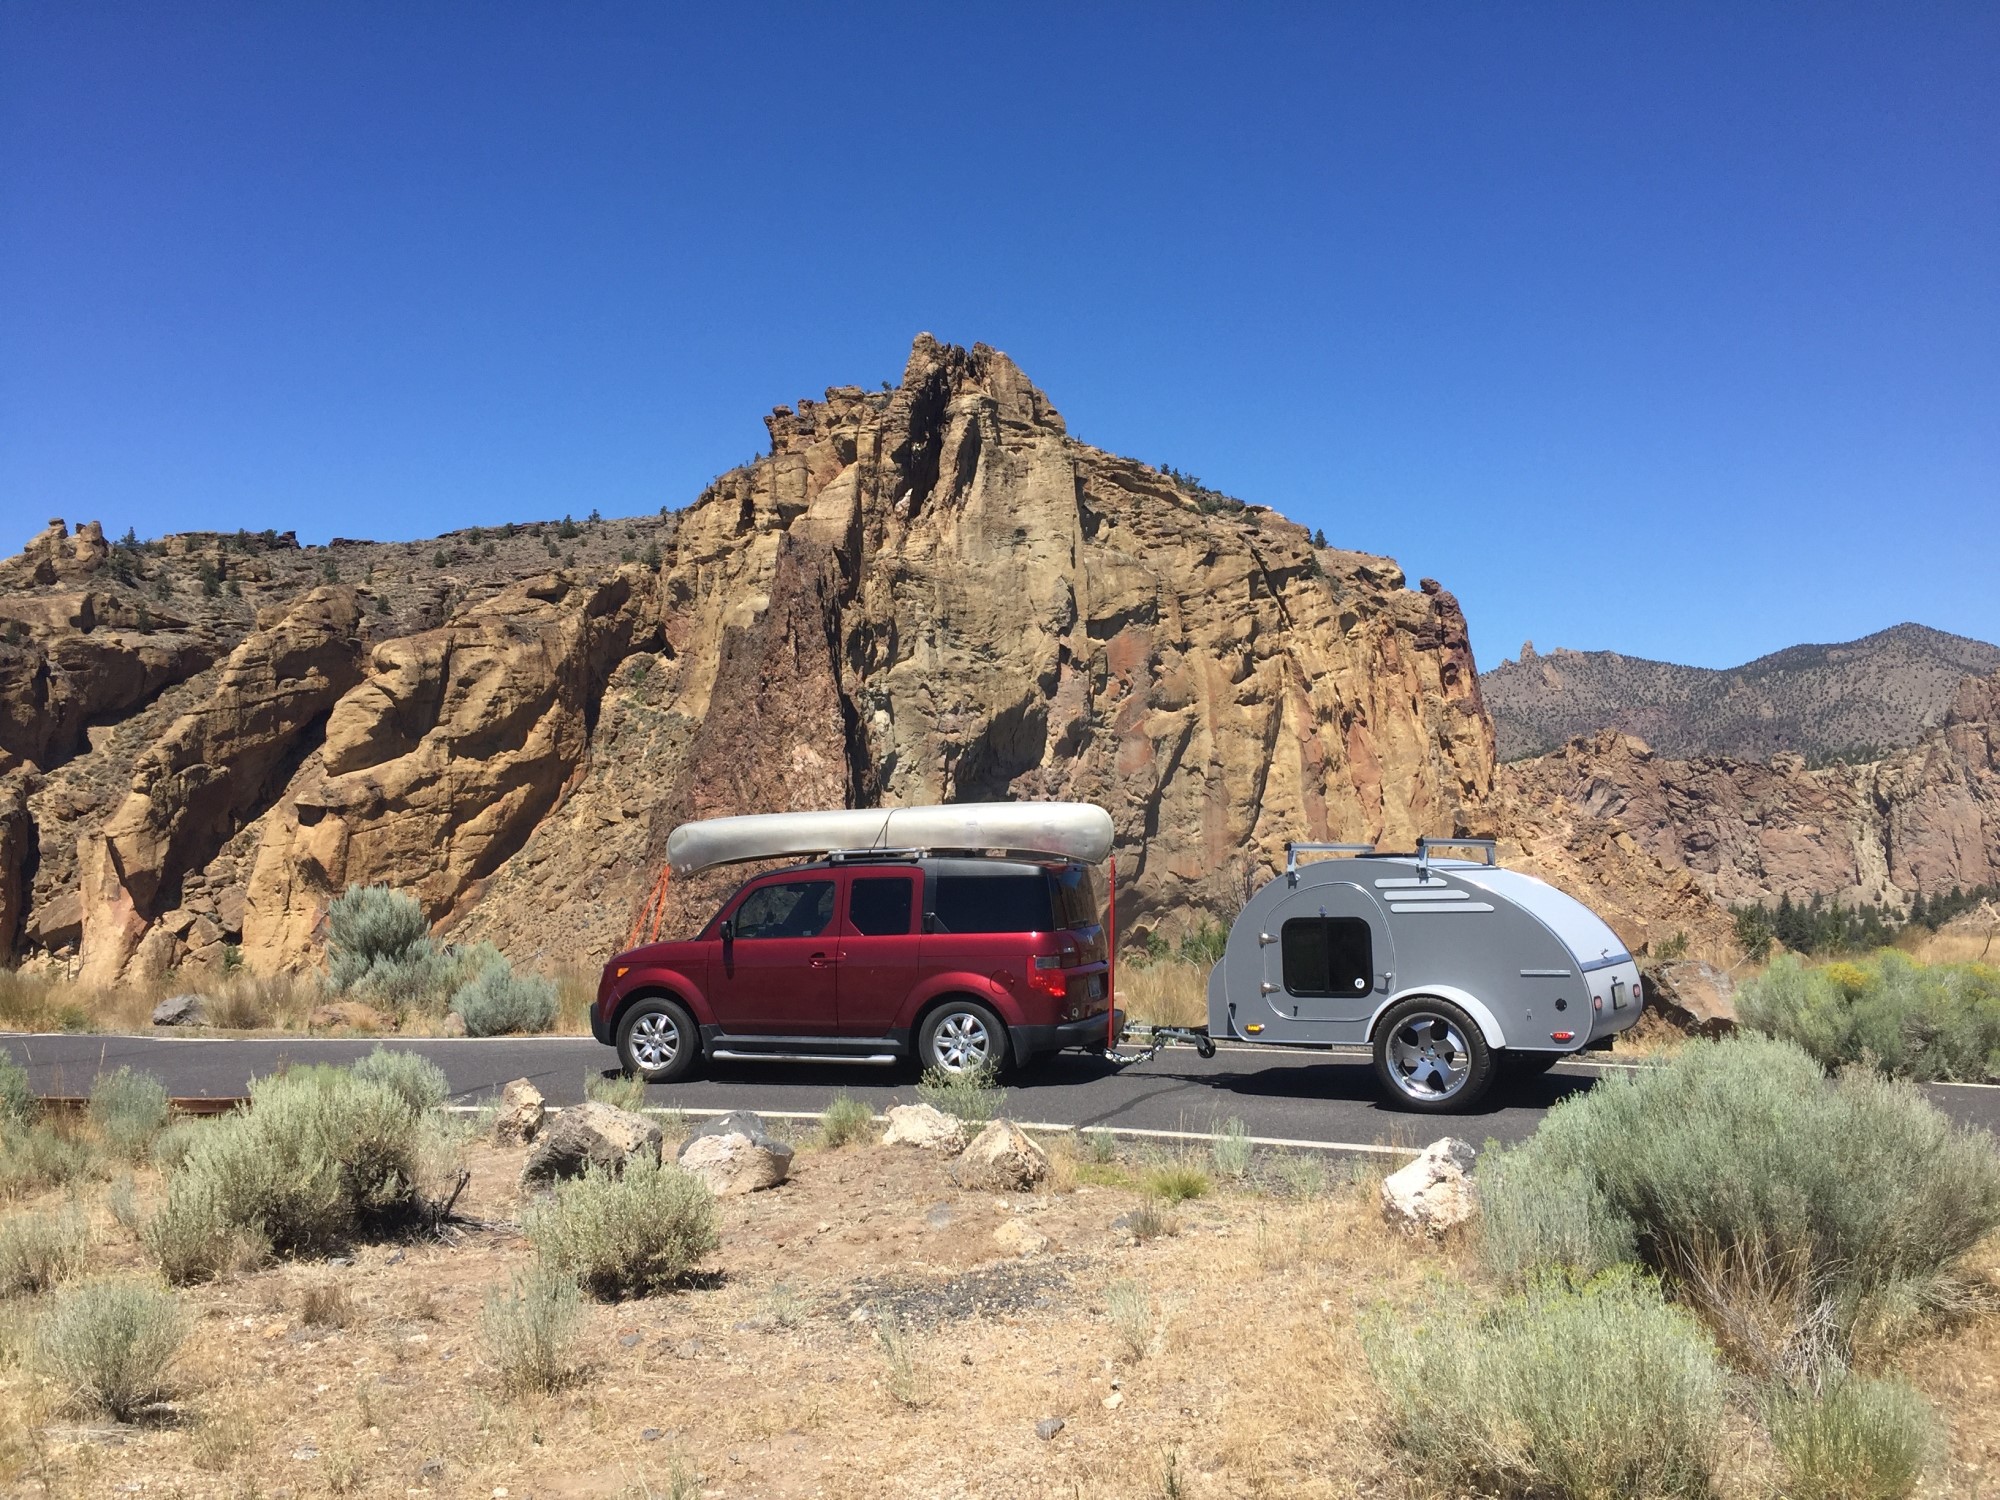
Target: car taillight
point(1051, 982)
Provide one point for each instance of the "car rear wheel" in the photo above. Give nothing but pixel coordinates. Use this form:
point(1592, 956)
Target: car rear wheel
point(962, 1036)
point(1431, 1057)
point(657, 1040)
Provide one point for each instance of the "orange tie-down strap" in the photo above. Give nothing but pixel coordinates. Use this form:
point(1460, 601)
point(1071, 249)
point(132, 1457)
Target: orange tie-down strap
point(652, 911)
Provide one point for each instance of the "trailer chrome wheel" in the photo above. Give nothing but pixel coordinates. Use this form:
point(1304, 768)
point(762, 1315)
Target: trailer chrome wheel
point(1430, 1056)
point(657, 1040)
point(962, 1036)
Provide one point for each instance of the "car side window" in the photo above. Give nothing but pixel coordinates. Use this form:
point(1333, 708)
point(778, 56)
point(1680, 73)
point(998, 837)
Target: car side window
point(1327, 956)
point(881, 905)
point(788, 908)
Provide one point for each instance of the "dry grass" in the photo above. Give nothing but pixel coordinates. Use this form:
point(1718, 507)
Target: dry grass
point(1164, 992)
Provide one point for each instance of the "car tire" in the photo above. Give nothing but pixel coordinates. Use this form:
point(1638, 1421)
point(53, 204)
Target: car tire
point(658, 1041)
point(963, 1030)
point(1430, 1057)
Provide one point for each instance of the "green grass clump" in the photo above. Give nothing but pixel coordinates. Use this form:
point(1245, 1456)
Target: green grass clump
point(1858, 1440)
point(1593, 1392)
point(1229, 1149)
point(1176, 1182)
point(626, 1234)
point(1798, 1216)
point(533, 1329)
point(625, 1091)
point(129, 1110)
point(39, 1250)
point(1886, 1012)
point(971, 1095)
point(322, 1155)
point(110, 1345)
point(845, 1120)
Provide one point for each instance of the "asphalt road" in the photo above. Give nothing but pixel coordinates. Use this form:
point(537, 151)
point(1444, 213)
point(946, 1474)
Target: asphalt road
point(1278, 1094)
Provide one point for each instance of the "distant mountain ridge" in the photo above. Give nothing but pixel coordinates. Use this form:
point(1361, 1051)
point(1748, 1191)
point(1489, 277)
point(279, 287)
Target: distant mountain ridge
point(1856, 698)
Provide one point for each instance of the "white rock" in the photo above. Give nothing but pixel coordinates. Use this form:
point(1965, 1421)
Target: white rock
point(1435, 1192)
point(734, 1163)
point(520, 1117)
point(1016, 1238)
point(925, 1126)
point(1001, 1159)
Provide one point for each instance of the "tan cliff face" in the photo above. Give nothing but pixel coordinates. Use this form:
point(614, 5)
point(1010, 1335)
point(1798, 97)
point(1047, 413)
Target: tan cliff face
point(931, 593)
point(1922, 819)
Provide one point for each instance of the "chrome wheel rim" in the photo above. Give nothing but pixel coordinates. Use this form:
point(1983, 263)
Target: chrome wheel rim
point(961, 1043)
point(1428, 1057)
point(655, 1041)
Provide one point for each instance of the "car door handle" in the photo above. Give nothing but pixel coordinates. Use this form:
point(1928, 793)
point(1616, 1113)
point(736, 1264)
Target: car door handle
point(819, 961)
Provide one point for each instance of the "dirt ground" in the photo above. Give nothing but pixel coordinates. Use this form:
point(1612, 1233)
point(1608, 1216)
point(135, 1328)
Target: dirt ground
point(1232, 1367)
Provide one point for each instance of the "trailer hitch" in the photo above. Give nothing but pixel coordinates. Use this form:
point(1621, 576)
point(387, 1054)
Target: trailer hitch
point(1158, 1038)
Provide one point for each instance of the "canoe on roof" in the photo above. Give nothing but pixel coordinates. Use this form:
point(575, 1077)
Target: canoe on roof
point(1066, 830)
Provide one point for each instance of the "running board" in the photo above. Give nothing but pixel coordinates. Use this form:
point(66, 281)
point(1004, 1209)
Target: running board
point(872, 1059)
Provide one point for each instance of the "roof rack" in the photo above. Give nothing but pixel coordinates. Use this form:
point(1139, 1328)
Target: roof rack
point(1488, 847)
point(861, 856)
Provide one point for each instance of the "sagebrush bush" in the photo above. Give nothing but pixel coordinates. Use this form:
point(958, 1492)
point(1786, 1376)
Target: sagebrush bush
point(111, 1345)
point(321, 1155)
point(419, 1081)
point(171, 1146)
point(621, 1090)
point(40, 1156)
point(845, 1119)
point(19, 1104)
point(971, 1094)
point(1596, 1391)
point(39, 1250)
point(1858, 1440)
point(129, 1110)
point(625, 1234)
point(532, 1329)
point(1797, 1215)
point(496, 1002)
point(1886, 1011)
point(1229, 1149)
point(379, 946)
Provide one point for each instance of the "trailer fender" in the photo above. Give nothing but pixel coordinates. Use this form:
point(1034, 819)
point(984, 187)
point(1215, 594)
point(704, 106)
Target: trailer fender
point(1489, 1024)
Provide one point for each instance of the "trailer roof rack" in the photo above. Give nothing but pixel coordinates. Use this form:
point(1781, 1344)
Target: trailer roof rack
point(1293, 851)
point(1487, 847)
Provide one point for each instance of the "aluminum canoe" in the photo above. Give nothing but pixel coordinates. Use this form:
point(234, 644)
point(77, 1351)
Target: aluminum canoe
point(1066, 830)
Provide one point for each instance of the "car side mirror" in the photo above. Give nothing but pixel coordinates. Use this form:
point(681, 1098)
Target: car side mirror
point(727, 932)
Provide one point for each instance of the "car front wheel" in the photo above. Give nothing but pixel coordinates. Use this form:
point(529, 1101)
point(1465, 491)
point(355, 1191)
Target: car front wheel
point(657, 1040)
point(962, 1036)
point(1431, 1057)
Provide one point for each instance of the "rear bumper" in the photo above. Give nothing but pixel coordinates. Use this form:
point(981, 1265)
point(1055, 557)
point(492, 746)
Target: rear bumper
point(1090, 1031)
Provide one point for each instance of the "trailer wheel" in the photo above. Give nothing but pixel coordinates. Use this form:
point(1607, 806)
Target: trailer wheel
point(1204, 1048)
point(1431, 1057)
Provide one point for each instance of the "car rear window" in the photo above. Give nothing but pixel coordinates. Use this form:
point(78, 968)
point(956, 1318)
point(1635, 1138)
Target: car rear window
point(1004, 901)
point(1076, 897)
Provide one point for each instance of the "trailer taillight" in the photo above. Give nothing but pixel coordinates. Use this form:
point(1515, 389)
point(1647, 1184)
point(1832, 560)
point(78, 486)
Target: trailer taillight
point(1562, 1036)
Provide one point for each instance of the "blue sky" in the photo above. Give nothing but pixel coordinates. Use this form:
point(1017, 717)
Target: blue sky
point(1669, 329)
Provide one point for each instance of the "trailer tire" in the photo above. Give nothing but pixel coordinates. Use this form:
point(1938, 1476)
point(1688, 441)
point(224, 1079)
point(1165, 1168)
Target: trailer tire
point(1431, 1057)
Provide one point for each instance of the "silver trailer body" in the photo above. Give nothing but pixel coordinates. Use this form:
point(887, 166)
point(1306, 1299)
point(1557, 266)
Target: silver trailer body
point(1325, 953)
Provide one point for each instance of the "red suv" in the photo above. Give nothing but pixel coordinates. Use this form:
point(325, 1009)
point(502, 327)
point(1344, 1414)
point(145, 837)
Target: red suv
point(959, 962)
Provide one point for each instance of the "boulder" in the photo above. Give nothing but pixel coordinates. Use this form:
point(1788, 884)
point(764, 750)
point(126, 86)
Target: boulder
point(1017, 1238)
point(179, 1010)
point(1001, 1159)
point(926, 1127)
point(350, 1015)
point(1435, 1192)
point(590, 1133)
point(520, 1117)
point(1696, 997)
point(735, 1154)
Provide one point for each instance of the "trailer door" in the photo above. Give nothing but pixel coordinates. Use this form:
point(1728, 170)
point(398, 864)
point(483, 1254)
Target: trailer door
point(1332, 954)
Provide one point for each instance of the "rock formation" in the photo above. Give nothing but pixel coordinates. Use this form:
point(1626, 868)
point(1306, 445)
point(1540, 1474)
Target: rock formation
point(1922, 819)
point(921, 594)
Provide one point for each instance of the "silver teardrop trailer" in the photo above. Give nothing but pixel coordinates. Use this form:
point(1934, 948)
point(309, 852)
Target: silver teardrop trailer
point(1451, 970)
